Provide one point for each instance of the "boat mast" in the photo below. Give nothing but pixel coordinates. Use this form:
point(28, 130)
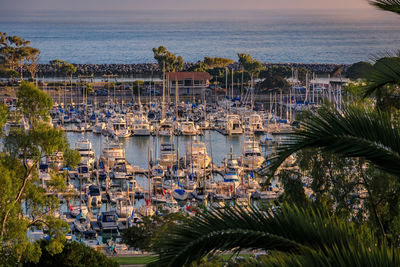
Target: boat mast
point(176, 96)
point(148, 174)
point(163, 93)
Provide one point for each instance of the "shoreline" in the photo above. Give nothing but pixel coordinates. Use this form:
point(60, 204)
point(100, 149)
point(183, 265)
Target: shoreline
point(46, 70)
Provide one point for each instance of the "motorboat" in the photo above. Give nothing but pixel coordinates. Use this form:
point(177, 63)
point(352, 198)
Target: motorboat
point(180, 194)
point(167, 154)
point(84, 147)
point(188, 128)
point(82, 223)
point(141, 126)
point(233, 125)
point(166, 128)
point(255, 124)
point(196, 153)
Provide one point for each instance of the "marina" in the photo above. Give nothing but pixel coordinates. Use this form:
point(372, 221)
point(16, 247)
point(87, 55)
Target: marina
point(136, 163)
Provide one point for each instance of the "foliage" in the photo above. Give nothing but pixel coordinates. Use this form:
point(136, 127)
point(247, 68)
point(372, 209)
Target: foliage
point(31, 59)
point(358, 70)
point(252, 66)
point(273, 82)
point(72, 254)
point(355, 132)
point(19, 160)
point(318, 239)
point(14, 53)
point(34, 103)
point(63, 67)
point(387, 5)
point(217, 62)
point(383, 80)
point(168, 60)
point(144, 235)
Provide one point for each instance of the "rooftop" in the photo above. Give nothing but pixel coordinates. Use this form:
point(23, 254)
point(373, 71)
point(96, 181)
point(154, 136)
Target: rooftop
point(202, 76)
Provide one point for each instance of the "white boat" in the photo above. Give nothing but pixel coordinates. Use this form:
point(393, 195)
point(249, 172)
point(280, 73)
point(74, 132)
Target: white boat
point(158, 198)
point(188, 128)
point(255, 124)
point(110, 154)
point(78, 209)
point(180, 194)
point(56, 160)
point(251, 158)
point(169, 184)
point(166, 128)
point(196, 153)
point(167, 154)
point(118, 127)
point(84, 148)
point(125, 208)
point(147, 210)
point(141, 126)
point(233, 125)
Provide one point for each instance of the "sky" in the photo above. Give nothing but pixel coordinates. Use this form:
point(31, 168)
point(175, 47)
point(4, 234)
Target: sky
point(100, 5)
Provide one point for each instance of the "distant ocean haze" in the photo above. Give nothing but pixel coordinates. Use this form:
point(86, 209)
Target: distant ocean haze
point(270, 36)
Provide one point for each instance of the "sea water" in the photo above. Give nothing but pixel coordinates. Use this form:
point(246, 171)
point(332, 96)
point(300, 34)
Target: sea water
point(339, 36)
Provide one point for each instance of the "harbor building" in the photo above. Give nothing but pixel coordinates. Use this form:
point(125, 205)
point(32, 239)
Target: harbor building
point(189, 83)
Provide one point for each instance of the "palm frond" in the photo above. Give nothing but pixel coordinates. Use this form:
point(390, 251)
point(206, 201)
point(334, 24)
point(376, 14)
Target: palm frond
point(386, 71)
point(357, 132)
point(387, 5)
point(287, 229)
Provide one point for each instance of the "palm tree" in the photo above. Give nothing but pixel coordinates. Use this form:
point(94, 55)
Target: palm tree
point(294, 237)
point(353, 132)
point(387, 5)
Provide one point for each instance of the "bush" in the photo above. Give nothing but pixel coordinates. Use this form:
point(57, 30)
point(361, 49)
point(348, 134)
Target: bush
point(73, 254)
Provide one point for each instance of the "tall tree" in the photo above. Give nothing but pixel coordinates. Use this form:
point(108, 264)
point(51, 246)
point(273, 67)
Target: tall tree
point(168, 60)
point(23, 202)
point(31, 60)
point(252, 66)
point(13, 51)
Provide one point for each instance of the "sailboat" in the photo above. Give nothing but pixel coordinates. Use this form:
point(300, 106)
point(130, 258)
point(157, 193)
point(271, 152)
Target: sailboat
point(148, 209)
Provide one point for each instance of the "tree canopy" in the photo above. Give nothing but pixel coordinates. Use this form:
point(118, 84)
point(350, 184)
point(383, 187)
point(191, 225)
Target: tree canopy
point(63, 67)
point(73, 254)
point(358, 70)
point(168, 60)
point(252, 66)
point(15, 52)
point(23, 202)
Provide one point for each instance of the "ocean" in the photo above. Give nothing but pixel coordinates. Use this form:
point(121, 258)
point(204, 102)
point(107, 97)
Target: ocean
point(270, 36)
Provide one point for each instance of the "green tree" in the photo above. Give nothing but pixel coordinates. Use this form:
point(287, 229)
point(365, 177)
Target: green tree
point(145, 235)
point(23, 202)
point(31, 60)
point(217, 62)
point(72, 255)
point(358, 70)
point(13, 53)
point(252, 66)
point(168, 60)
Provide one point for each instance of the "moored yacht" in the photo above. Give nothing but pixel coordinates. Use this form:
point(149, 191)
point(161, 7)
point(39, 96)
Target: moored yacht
point(233, 125)
point(84, 148)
